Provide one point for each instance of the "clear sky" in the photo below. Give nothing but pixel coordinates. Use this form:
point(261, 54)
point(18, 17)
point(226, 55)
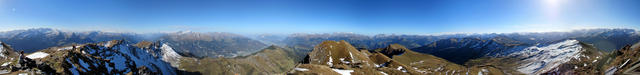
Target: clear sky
point(320, 16)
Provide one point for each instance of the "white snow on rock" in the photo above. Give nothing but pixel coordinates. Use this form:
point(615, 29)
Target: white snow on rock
point(624, 63)
point(301, 69)
point(169, 55)
point(122, 53)
point(401, 69)
point(37, 55)
point(6, 64)
point(330, 63)
point(541, 59)
point(65, 48)
point(108, 44)
point(2, 50)
point(141, 58)
point(4, 72)
point(383, 73)
point(351, 55)
point(343, 72)
point(68, 48)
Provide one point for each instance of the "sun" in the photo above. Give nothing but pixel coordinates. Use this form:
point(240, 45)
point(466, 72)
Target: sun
point(552, 2)
point(551, 9)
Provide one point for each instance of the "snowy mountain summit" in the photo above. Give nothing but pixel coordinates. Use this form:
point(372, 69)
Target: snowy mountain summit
point(542, 59)
point(111, 57)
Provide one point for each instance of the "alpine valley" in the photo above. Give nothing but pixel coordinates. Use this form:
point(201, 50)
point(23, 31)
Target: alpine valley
point(46, 51)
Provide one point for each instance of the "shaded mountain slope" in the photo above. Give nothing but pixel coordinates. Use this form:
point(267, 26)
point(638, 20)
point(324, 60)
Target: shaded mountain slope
point(609, 40)
point(463, 49)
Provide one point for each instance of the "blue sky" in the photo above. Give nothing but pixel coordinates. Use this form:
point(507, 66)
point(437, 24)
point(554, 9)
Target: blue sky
point(320, 16)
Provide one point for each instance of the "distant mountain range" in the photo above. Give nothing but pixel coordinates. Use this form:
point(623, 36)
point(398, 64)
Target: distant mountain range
point(216, 44)
point(460, 48)
point(192, 44)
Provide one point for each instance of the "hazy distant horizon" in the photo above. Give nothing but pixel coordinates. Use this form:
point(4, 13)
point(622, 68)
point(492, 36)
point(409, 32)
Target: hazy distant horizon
point(367, 34)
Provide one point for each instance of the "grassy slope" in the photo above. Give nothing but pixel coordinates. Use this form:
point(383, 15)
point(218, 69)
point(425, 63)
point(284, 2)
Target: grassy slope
point(431, 64)
point(272, 60)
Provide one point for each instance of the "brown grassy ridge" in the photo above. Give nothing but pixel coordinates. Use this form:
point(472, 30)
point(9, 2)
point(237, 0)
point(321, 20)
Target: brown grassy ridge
point(271, 60)
point(393, 57)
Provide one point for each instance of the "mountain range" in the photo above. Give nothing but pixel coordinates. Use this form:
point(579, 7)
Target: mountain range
point(51, 51)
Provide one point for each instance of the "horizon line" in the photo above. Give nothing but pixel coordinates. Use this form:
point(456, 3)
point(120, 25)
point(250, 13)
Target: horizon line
point(316, 33)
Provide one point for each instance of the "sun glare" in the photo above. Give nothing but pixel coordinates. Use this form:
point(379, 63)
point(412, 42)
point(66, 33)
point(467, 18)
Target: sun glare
point(552, 2)
point(551, 9)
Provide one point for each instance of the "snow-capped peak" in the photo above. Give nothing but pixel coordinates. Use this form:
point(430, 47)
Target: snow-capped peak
point(169, 55)
point(121, 53)
point(541, 59)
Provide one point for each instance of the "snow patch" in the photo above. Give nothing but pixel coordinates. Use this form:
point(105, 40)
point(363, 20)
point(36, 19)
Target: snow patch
point(4, 71)
point(401, 69)
point(301, 69)
point(541, 59)
point(37, 55)
point(6, 64)
point(107, 44)
point(330, 63)
point(625, 63)
point(342, 60)
point(2, 50)
point(383, 73)
point(65, 48)
point(343, 72)
point(351, 55)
